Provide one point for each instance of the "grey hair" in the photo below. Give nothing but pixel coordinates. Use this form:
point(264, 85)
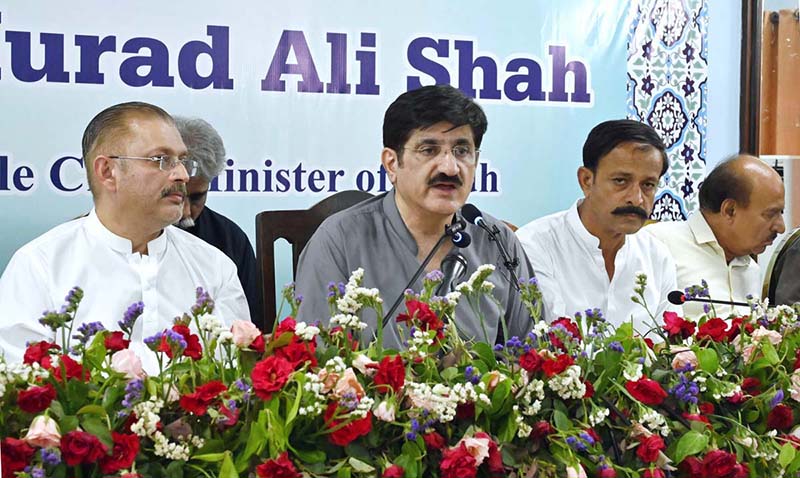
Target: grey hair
point(204, 144)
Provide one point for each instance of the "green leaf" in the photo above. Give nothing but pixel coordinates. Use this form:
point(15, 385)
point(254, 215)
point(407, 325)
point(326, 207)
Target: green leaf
point(485, 352)
point(449, 373)
point(561, 420)
point(499, 395)
point(787, 454)
point(691, 443)
point(68, 423)
point(310, 456)
point(174, 470)
point(708, 359)
point(769, 352)
point(97, 428)
point(301, 380)
point(209, 457)
point(359, 466)
point(93, 410)
point(255, 442)
point(227, 470)
point(344, 472)
point(96, 353)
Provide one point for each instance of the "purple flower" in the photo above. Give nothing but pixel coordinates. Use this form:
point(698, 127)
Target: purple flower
point(131, 314)
point(434, 276)
point(204, 301)
point(616, 346)
point(87, 330)
point(51, 456)
point(778, 398)
point(133, 393)
point(154, 341)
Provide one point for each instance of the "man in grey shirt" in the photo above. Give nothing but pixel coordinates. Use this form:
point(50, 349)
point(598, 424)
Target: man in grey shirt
point(431, 138)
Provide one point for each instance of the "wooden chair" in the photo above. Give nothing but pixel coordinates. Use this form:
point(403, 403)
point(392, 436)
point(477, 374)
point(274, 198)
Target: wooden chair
point(774, 271)
point(297, 227)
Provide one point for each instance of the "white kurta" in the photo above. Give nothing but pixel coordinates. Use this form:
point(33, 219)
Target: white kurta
point(699, 256)
point(84, 253)
point(571, 271)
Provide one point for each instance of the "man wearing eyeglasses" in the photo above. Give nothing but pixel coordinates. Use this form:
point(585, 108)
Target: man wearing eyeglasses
point(124, 251)
point(431, 139)
point(206, 147)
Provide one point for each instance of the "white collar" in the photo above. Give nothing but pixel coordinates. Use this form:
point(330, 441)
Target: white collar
point(121, 244)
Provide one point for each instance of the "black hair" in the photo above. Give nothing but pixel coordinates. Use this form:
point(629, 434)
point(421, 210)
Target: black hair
point(426, 106)
point(723, 183)
point(606, 136)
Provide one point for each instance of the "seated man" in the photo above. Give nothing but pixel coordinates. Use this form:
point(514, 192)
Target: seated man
point(206, 148)
point(431, 138)
point(588, 256)
point(124, 251)
point(741, 213)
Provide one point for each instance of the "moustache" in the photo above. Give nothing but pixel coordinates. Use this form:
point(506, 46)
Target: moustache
point(178, 188)
point(443, 178)
point(620, 211)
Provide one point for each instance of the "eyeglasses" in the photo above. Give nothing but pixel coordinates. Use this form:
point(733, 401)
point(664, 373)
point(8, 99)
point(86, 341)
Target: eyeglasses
point(166, 162)
point(462, 152)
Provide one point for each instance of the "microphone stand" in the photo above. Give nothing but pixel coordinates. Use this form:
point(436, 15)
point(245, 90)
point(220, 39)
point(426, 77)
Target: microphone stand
point(449, 231)
point(508, 262)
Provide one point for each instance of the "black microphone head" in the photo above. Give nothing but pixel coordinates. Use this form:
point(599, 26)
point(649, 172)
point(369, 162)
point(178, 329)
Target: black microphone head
point(461, 239)
point(676, 297)
point(471, 213)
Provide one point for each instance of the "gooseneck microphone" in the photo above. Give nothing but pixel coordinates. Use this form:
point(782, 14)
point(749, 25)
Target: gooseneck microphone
point(677, 297)
point(454, 268)
point(460, 238)
point(473, 215)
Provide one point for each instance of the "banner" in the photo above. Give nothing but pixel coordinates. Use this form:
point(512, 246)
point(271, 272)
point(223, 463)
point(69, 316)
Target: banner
point(298, 91)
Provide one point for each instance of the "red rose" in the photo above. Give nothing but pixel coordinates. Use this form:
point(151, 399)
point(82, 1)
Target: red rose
point(697, 418)
point(751, 386)
point(281, 467)
point(193, 348)
point(780, 418)
point(605, 471)
point(649, 448)
point(15, 455)
point(288, 324)
point(737, 398)
point(391, 374)
point(653, 473)
point(714, 329)
point(646, 391)
point(270, 375)
point(422, 312)
point(115, 341)
point(394, 471)
point(589, 389)
point(258, 344)
point(297, 351)
point(541, 429)
point(649, 342)
point(80, 447)
point(231, 416)
point(465, 411)
point(458, 463)
point(495, 459)
point(126, 447)
point(36, 399)
point(202, 397)
point(721, 464)
point(678, 326)
point(347, 433)
point(72, 368)
point(691, 466)
point(555, 366)
point(434, 441)
point(706, 408)
point(39, 352)
point(531, 361)
point(571, 328)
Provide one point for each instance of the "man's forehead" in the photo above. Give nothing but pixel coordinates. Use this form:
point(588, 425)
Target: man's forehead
point(442, 131)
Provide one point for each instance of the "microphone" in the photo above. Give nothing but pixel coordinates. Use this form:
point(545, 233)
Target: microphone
point(474, 216)
point(454, 268)
point(459, 237)
point(677, 297)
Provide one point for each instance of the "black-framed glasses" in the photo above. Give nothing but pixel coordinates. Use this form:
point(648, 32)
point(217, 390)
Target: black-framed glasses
point(166, 162)
point(463, 153)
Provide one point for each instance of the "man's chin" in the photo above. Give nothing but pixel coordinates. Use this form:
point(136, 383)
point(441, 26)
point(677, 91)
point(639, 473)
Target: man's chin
point(185, 223)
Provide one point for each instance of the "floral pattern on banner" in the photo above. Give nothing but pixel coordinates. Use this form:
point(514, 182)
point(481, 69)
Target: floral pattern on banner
point(667, 89)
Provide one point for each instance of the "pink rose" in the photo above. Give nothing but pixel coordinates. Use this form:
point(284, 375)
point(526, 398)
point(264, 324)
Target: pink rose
point(244, 333)
point(477, 447)
point(576, 471)
point(385, 412)
point(43, 433)
point(348, 385)
point(684, 358)
point(126, 361)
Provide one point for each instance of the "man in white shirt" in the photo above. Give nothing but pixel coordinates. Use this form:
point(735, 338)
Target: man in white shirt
point(589, 255)
point(124, 251)
point(741, 213)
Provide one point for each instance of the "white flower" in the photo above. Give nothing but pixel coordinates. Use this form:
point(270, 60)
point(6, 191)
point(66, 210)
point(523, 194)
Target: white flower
point(632, 371)
point(568, 384)
point(385, 411)
point(306, 332)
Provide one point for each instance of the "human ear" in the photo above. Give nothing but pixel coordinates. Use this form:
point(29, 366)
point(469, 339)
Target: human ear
point(391, 161)
point(585, 179)
point(105, 173)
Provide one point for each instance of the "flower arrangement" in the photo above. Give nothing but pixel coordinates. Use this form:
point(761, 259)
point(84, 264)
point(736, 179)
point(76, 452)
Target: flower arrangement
point(575, 398)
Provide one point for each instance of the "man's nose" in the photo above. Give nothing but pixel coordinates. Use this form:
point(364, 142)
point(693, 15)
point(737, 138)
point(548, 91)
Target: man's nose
point(781, 225)
point(179, 173)
point(635, 195)
point(447, 163)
